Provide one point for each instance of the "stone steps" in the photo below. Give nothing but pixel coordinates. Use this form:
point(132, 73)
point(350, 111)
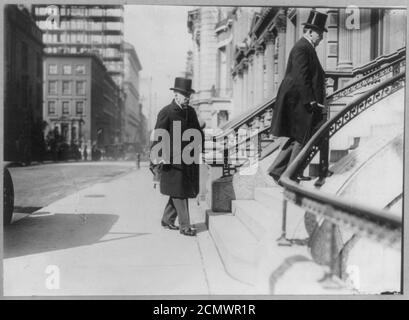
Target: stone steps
point(272, 198)
point(236, 245)
point(246, 238)
point(258, 219)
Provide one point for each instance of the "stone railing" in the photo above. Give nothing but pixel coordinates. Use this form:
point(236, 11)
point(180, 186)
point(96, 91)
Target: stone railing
point(364, 221)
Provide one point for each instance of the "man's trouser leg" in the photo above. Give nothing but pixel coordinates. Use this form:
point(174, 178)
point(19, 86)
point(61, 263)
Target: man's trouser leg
point(170, 213)
point(295, 150)
point(182, 209)
point(282, 160)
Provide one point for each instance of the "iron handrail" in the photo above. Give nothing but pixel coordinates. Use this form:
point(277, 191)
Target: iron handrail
point(352, 209)
point(392, 59)
point(396, 60)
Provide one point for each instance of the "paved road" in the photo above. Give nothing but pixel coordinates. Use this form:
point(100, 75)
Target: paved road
point(106, 239)
point(39, 185)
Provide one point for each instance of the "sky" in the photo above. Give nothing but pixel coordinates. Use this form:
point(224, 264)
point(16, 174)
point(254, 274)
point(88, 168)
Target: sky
point(161, 40)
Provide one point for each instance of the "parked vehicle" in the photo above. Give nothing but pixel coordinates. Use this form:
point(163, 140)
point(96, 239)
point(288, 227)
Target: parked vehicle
point(8, 196)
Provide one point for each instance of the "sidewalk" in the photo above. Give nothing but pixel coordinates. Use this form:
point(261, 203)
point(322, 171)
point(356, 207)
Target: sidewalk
point(107, 240)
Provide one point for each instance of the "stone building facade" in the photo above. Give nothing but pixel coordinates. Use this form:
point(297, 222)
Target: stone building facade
point(213, 47)
point(23, 92)
point(257, 42)
point(81, 100)
point(135, 126)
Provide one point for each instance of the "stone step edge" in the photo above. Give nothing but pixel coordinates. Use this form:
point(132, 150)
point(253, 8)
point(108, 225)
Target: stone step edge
point(262, 220)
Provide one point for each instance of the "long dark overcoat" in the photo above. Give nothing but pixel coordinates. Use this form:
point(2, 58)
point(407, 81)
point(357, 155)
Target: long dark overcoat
point(304, 82)
point(179, 180)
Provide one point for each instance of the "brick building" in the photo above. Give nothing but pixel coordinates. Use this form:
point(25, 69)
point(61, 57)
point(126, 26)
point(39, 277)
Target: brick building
point(23, 86)
point(89, 29)
point(81, 100)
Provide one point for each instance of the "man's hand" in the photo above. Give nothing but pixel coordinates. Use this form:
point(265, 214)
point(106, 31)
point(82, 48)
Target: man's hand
point(315, 107)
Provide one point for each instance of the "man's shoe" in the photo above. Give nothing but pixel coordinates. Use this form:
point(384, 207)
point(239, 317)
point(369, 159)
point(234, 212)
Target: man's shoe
point(170, 226)
point(188, 232)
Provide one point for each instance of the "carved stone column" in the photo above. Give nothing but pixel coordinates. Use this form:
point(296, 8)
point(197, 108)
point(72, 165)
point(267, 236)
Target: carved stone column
point(244, 89)
point(269, 56)
point(281, 26)
point(259, 75)
point(237, 92)
point(345, 43)
point(250, 86)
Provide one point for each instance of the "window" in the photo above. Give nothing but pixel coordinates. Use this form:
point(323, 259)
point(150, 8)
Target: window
point(65, 107)
point(77, 11)
point(80, 87)
point(79, 107)
point(51, 107)
point(66, 87)
point(24, 55)
point(222, 71)
point(66, 69)
point(52, 69)
point(39, 65)
point(80, 69)
point(376, 33)
point(52, 87)
point(96, 38)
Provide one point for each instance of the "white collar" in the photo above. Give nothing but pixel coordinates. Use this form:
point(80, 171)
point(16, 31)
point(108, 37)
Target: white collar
point(309, 40)
point(178, 105)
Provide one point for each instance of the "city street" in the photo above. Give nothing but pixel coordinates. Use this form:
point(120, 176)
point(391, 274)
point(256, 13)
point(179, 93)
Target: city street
point(103, 237)
point(39, 185)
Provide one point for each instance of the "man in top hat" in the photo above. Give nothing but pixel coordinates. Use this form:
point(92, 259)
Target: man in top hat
point(178, 179)
point(298, 110)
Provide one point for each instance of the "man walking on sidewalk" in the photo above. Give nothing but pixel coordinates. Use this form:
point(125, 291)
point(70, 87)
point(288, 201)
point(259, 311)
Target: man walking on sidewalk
point(298, 111)
point(178, 179)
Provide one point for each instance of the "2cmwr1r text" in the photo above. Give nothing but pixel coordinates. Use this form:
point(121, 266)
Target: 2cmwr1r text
point(208, 309)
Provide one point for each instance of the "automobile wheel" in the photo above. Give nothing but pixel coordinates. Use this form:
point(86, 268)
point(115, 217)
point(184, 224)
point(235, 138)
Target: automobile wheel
point(8, 197)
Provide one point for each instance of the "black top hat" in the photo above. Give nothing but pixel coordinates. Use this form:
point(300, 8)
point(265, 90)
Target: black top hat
point(183, 86)
point(317, 20)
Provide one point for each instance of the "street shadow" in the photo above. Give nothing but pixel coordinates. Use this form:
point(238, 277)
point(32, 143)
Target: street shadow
point(45, 232)
point(200, 227)
point(285, 266)
point(22, 209)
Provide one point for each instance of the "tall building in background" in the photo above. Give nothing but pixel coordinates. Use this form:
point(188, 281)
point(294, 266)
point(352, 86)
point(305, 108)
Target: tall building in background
point(83, 29)
point(23, 86)
point(87, 29)
point(134, 126)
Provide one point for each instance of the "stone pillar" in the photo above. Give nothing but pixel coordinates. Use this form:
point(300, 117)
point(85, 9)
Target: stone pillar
point(345, 43)
point(240, 92)
point(269, 55)
point(208, 50)
point(236, 94)
point(196, 66)
point(331, 40)
point(244, 89)
point(281, 30)
point(250, 84)
point(259, 81)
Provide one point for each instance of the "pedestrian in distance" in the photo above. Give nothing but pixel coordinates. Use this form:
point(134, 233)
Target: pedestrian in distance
point(299, 106)
point(138, 160)
point(85, 153)
point(177, 179)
